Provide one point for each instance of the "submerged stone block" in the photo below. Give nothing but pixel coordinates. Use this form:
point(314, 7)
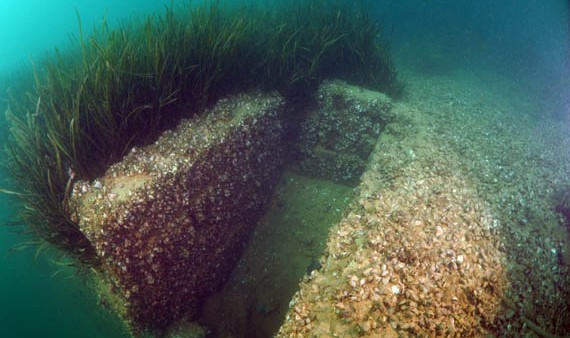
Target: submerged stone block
point(170, 220)
point(338, 136)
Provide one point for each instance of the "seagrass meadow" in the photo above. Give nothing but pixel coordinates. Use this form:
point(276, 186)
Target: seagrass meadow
point(117, 88)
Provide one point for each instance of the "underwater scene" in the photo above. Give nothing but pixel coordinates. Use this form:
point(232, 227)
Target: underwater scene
point(285, 168)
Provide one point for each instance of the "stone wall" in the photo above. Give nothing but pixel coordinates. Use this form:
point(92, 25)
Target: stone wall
point(170, 220)
point(338, 136)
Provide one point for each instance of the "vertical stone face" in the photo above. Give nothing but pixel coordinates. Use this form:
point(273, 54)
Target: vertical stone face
point(169, 221)
point(338, 135)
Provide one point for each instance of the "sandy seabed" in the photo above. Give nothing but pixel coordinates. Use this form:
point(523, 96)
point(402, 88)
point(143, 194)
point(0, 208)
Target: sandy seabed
point(455, 232)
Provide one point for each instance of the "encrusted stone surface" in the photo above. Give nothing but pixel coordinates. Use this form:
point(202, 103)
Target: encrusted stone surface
point(417, 256)
point(455, 232)
point(340, 133)
point(170, 220)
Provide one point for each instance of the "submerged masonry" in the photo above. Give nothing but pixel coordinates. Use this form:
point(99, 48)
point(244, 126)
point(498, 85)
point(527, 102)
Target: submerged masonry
point(171, 219)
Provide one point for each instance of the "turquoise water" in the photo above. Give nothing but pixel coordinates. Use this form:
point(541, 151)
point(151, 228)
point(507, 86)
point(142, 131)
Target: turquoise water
point(33, 302)
point(525, 40)
point(37, 303)
point(30, 27)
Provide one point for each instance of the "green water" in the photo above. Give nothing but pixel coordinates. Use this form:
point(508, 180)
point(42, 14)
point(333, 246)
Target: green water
point(32, 302)
point(36, 304)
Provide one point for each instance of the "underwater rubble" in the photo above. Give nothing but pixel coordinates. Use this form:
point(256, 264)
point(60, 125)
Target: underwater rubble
point(169, 221)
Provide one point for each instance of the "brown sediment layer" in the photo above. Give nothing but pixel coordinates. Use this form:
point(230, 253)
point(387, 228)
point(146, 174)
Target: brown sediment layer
point(169, 221)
